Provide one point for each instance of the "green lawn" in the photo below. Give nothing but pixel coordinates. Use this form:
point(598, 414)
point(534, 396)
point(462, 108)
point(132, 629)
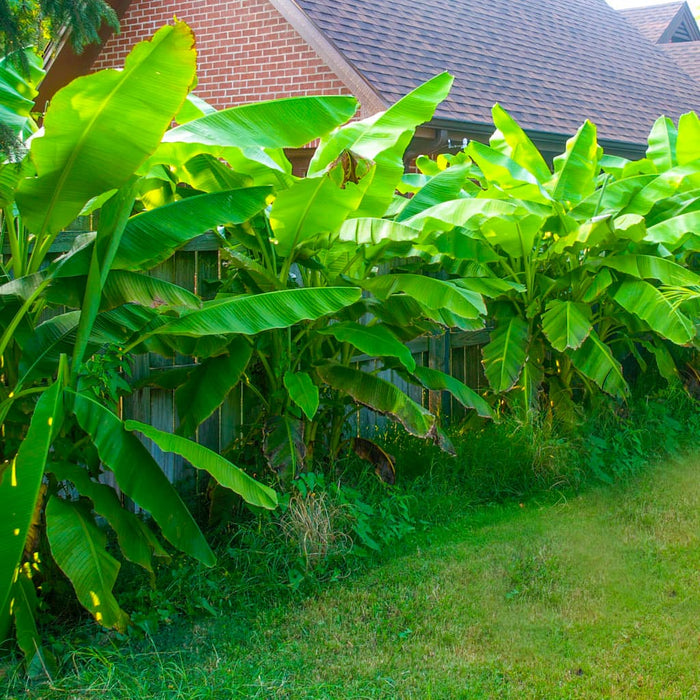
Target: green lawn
point(593, 597)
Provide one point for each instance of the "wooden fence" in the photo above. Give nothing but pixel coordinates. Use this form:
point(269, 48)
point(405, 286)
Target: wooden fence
point(197, 268)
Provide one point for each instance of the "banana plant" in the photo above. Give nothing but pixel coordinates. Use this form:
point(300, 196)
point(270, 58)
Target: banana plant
point(61, 437)
point(329, 231)
point(584, 265)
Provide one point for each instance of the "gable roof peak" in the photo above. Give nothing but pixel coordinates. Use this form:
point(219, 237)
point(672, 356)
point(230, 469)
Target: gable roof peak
point(665, 23)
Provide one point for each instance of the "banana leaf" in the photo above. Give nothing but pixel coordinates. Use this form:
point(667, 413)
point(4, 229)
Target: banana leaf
point(505, 354)
point(152, 237)
point(137, 543)
point(20, 73)
point(511, 140)
point(429, 292)
point(443, 187)
point(688, 138)
point(595, 360)
point(668, 184)
point(461, 212)
point(375, 341)
point(435, 380)
point(566, 324)
point(78, 546)
point(139, 477)
point(287, 123)
point(19, 488)
point(653, 267)
point(672, 232)
point(260, 312)
point(382, 139)
point(227, 474)
point(662, 144)
point(312, 206)
point(91, 142)
point(208, 385)
point(646, 302)
point(611, 199)
point(380, 396)
point(302, 391)
point(368, 231)
point(576, 170)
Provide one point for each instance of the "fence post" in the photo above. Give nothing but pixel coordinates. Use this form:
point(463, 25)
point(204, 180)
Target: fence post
point(439, 358)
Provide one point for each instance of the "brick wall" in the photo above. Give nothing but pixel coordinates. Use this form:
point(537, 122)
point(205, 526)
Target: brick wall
point(246, 50)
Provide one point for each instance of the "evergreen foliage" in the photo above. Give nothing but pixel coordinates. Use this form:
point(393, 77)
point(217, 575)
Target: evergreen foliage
point(34, 22)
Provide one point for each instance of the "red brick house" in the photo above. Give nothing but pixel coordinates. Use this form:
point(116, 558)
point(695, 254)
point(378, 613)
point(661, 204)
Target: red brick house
point(551, 63)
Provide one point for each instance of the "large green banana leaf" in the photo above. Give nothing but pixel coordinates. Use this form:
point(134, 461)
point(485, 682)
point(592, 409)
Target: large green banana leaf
point(153, 236)
point(255, 313)
point(430, 292)
point(681, 203)
point(101, 127)
point(646, 302)
point(209, 383)
point(681, 178)
point(662, 144)
point(381, 133)
point(18, 90)
point(576, 170)
point(78, 546)
point(380, 396)
point(506, 352)
point(511, 140)
point(310, 207)
point(672, 232)
point(137, 543)
point(652, 267)
point(435, 380)
point(19, 489)
point(460, 245)
point(139, 477)
point(375, 341)
point(227, 474)
point(595, 360)
point(500, 169)
point(611, 199)
point(125, 287)
point(42, 348)
point(287, 123)
point(516, 235)
point(382, 139)
point(443, 187)
point(566, 324)
point(688, 139)
point(368, 241)
point(461, 212)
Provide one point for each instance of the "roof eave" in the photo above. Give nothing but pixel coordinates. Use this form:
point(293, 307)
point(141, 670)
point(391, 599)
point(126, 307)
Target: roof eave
point(548, 141)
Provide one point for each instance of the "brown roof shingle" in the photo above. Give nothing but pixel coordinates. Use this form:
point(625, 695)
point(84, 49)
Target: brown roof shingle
point(687, 55)
point(551, 63)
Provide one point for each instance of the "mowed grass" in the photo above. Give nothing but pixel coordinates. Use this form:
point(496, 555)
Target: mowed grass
point(597, 596)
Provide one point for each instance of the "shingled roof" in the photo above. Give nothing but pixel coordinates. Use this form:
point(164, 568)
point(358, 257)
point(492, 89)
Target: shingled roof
point(551, 63)
point(687, 56)
point(655, 22)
